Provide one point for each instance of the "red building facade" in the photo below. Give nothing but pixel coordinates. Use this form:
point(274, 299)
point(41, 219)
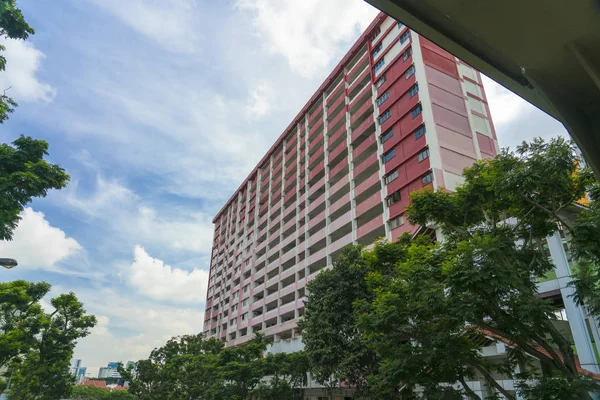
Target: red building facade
point(397, 114)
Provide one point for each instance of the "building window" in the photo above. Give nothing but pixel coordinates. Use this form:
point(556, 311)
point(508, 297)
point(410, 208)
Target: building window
point(383, 117)
point(404, 37)
point(389, 155)
point(379, 65)
point(387, 136)
point(380, 82)
point(413, 90)
point(393, 198)
point(396, 222)
point(407, 53)
point(423, 155)
point(400, 25)
point(376, 50)
point(375, 33)
point(427, 178)
point(410, 72)
point(420, 131)
point(416, 111)
point(390, 177)
point(244, 316)
point(383, 98)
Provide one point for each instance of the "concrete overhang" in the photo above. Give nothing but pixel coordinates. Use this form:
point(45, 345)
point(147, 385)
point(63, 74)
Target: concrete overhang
point(547, 52)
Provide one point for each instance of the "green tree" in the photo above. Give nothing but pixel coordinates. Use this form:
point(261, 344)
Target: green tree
point(287, 372)
point(94, 393)
point(191, 367)
point(20, 317)
point(41, 368)
point(429, 318)
point(336, 349)
point(12, 26)
point(24, 174)
point(184, 368)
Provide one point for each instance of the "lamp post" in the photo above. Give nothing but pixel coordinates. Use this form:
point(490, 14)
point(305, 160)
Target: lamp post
point(8, 263)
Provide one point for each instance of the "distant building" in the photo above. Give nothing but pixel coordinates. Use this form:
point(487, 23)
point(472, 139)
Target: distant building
point(103, 372)
point(81, 374)
point(132, 364)
point(75, 366)
point(110, 371)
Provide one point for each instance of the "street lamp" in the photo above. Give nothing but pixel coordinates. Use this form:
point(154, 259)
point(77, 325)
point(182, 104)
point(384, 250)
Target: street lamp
point(8, 263)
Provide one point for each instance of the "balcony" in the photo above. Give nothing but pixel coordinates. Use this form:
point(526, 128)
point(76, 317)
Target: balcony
point(361, 112)
point(315, 171)
point(316, 203)
point(366, 163)
point(287, 256)
point(317, 219)
point(315, 144)
point(318, 257)
point(339, 203)
point(340, 243)
point(315, 187)
point(334, 107)
point(371, 140)
point(341, 221)
point(339, 89)
point(367, 125)
point(317, 156)
point(317, 112)
point(316, 237)
point(276, 184)
point(373, 201)
point(338, 135)
point(370, 226)
point(363, 77)
point(364, 94)
point(334, 153)
point(289, 197)
point(338, 185)
point(316, 128)
point(337, 121)
point(339, 168)
point(361, 63)
point(291, 144)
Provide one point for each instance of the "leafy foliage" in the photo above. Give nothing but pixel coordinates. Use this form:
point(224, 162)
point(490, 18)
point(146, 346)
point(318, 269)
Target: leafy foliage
point(94, 393)
point(423, 311)
point(37, 346)
point(24, 174)
point(191, 367)
point(13, 26)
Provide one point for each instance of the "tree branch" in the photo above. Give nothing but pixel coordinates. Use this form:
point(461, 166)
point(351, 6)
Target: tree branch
point(470, 392)
point(489, 379)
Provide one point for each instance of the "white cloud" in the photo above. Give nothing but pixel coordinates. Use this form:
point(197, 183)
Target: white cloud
point(308, 33)
point(505, 106)
point(170, 23)
point(153, 278)
point(37, 244)
point(107, 195)
point(129, 328)
point(192, 232)
point(259, 105)
point(22, 65)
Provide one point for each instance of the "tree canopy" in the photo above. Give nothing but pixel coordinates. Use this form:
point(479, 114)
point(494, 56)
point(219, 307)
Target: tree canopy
point(425, 310)
point(24, 174)
point(36, 346)
point(192, 367)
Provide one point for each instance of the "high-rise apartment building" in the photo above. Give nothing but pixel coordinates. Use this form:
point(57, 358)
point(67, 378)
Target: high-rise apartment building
point(396, 114)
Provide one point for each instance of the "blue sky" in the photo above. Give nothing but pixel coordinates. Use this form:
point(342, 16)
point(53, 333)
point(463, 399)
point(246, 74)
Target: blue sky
point(158, 110)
